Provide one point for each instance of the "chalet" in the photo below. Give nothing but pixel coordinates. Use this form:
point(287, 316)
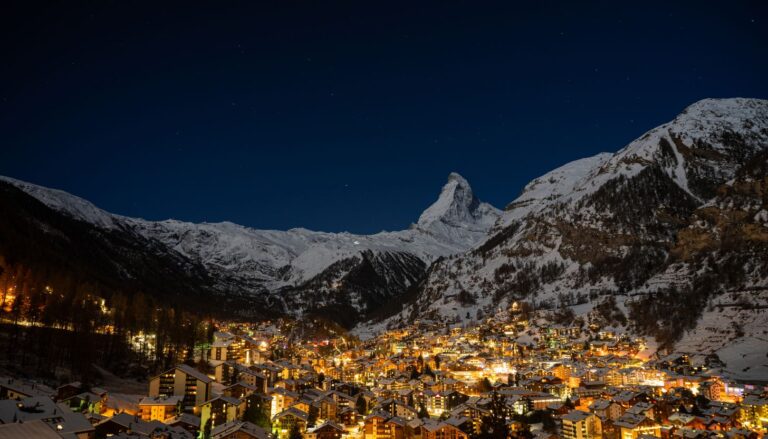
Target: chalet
point(452, 428)
point(185, 381)
point(159, 408)
point(606, 409)
point(474, 413)
point(230, 372)
point(327, 430)
point(643, 408)
point(380, 425)
point(397, 409)
point(269, 370)
point(239, 430)
point(578, 424)
point(222, 350)
point(186, 421)
point(241, 389)
point(347, 416)
point(633, 426)
point(439, 402)
point(713, 389)
point(221, 409)
point(287, 419)
point(326, 404)
point(281, 399)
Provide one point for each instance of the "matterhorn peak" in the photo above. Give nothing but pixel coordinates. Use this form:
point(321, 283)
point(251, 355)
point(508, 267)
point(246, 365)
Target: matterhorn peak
point(456, 205)
point(455, 176)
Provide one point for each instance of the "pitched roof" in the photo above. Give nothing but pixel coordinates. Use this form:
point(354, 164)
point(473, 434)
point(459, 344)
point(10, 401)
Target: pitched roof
point(44, 409)
point(293, 411)
point(325, 425)
point(239, 426)
point(576, 416)
point(184, 418)
point(189, 370)
point(629, 420)
point(161, 400)
point(32, 429)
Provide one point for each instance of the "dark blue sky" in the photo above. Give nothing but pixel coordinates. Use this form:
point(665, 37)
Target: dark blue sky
point(346, 116)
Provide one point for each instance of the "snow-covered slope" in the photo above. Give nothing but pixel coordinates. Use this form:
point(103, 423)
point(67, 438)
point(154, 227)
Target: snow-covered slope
point(69, 204)
point(609, 224)
point(246, 260)
point(560, 185)
point(701, 148)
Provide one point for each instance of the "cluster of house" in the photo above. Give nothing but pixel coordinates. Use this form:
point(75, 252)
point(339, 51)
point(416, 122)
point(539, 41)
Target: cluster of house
point(423, 382)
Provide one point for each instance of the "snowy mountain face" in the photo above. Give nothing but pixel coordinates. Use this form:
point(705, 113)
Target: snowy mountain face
point(457, 216)
point(680, 210)
point(284, 265)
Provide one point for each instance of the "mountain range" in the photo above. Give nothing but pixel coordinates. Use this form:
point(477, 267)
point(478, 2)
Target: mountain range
point(291, 272)
point(678, 217)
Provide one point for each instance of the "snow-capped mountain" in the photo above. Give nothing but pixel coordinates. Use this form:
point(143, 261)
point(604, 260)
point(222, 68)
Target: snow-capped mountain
point(271, 263)
point(668, 228)
point(458, 216)
point(679, 211)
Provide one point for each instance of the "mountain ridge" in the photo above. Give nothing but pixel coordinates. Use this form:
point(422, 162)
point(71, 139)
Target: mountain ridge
point(242, 260)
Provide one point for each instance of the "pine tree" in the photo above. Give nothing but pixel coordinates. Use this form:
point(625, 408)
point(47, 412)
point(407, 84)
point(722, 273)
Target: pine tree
point(361, 405)
point(256, 412)
point(295, 433)
point(314, 412)
point(423, 413)
point(206, 432)
point(428, 371)
point(494, 426)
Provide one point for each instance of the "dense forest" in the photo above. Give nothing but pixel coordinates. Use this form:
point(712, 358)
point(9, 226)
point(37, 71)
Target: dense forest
point(56, 325)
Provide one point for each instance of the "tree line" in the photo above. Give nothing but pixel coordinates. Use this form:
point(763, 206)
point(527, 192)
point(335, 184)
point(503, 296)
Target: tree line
point(54, 322)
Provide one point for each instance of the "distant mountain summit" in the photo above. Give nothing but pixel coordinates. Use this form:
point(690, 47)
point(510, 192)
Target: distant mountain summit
point(457, 215)
point(277, 267)
point(455, 205)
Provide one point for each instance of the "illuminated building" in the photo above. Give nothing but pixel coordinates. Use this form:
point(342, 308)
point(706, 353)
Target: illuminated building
point(159, 408)
point(580, 425)
point(185, 381)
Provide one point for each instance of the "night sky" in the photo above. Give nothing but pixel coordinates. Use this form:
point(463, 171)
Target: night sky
point(346, 116)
